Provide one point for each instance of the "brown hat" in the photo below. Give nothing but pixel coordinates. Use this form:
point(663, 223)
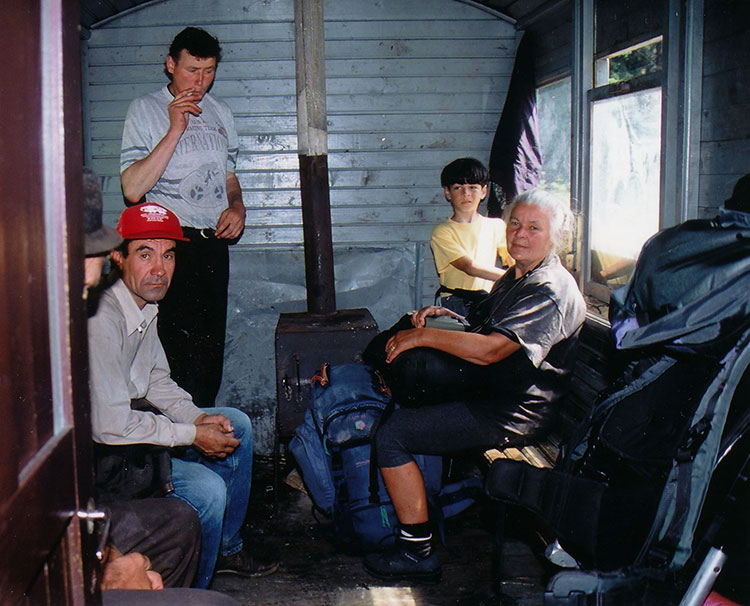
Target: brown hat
point(740, 199)
point(99, 238)
point(149, 221)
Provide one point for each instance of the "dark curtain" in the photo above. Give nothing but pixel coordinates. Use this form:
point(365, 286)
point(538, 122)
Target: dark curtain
point(515, 159)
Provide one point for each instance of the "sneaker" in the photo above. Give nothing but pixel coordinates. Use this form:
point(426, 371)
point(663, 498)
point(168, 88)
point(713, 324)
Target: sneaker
point(245, 565)
point(401, 564)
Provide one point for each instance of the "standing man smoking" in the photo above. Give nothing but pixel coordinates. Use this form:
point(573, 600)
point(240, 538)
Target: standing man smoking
point(180, 147)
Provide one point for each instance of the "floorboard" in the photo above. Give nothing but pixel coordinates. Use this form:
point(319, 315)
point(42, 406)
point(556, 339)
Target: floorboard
point(313, 572)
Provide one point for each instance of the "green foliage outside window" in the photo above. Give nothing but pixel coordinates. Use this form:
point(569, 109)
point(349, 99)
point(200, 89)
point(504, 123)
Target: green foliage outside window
point(634, 63)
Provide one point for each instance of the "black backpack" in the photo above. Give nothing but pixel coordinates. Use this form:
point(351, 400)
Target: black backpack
point(626, 496)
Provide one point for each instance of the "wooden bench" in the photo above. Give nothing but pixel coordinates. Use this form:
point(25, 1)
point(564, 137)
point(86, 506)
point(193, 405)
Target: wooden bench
point(589, 378)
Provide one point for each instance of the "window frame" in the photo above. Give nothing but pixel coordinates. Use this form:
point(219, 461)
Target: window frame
point(680, 82)
point(605, 92)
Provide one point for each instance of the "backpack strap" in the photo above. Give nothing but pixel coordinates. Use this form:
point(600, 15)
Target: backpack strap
point(322, 378)
point(382, 386)
point(659, 554)
point(730, 502)
point(662, 551)
point(390, 407)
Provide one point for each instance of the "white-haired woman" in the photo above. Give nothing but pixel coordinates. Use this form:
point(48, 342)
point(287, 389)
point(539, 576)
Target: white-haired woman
point(497, 383)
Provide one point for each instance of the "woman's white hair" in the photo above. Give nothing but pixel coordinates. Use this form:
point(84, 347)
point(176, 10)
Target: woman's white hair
point(560, 215)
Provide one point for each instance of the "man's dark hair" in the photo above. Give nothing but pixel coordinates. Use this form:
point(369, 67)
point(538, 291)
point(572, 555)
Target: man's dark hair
point(463, 171)
point(122, 248)
point(198, 42)
point(111, 276)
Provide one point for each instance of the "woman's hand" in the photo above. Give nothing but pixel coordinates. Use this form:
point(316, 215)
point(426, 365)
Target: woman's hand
point(401, 342)
point(470, 346)
point(418, 317)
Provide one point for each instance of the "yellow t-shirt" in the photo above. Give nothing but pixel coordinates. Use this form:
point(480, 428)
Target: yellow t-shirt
point(482, 240)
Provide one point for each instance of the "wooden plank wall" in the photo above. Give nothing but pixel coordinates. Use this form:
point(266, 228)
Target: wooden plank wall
point(725, 127)
point(553, 35)
point(623, 24)
point(411, 85)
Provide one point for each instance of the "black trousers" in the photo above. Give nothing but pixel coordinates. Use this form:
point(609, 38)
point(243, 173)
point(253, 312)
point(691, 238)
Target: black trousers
point(167, 531)
point(440, 429)
point(193, 316)
point(448, 404)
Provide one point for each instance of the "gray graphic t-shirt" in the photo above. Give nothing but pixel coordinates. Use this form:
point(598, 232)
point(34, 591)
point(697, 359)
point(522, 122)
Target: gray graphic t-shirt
point(193, 185)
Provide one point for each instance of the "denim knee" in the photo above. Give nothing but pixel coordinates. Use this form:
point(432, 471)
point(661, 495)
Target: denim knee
point(212, 499)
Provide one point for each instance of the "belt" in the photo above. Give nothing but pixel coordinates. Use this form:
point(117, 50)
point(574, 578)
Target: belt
point(194, 232)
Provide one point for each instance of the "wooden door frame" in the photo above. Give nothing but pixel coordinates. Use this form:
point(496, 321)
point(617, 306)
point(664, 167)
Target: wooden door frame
point(46, 476)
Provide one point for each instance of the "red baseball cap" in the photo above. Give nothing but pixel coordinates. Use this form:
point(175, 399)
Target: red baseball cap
point(148, 221)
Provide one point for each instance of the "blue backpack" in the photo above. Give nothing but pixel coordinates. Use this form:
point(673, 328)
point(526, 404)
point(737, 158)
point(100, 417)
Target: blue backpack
point(332, 450)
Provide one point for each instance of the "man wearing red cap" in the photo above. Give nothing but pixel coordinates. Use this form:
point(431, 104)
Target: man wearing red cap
point(134, 401)
point(165, 533)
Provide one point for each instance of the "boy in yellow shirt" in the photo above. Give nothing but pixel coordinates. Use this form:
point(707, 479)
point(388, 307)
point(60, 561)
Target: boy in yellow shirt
point(467, 245)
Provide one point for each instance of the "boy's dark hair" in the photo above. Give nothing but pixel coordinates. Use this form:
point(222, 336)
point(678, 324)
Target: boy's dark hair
point(198, 42)
point(464, 170)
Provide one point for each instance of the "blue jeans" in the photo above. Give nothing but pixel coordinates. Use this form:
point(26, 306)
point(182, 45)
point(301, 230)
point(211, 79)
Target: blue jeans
point(219, 490)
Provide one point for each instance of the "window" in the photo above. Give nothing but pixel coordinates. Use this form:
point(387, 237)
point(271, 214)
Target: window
point(553, 108)
point(636, 61)
point(625, 170)
point(625, 162)
point(553, 116)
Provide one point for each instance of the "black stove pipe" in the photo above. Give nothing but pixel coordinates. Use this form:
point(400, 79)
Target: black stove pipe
point(312, 135)
point(316, 227)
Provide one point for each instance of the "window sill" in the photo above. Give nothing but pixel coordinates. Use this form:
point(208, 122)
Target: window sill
point(597, 309)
